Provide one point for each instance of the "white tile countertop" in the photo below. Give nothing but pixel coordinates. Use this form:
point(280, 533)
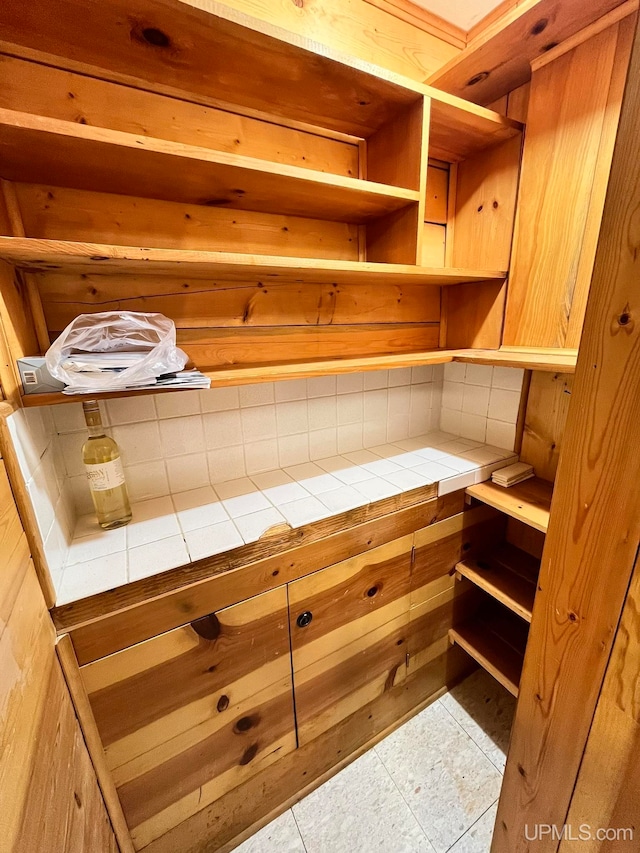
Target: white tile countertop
point(174, 530)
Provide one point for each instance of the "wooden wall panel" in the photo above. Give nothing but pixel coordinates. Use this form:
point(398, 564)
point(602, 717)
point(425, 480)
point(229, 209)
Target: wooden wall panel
point(606, 793)
point(473, 315)
point(176, 741)
point(50, 797)
point(545, 419)
point(192, 304)
point(486, 192)
point(594, 530)
point(572, 121)
point(210, 348)
point(16, 327)
point(59, 213)
point(35, 88)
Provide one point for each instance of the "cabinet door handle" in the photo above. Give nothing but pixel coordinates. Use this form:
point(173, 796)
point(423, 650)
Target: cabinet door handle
point(304, 619)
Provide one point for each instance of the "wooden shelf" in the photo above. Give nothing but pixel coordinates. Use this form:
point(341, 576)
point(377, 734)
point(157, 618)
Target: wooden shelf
point(34, 255)
point(250, 63)
point(548, 359)
point(39, 149)
point(507, 574)
point(249, 374)
point(528, 502)
point(497, 641)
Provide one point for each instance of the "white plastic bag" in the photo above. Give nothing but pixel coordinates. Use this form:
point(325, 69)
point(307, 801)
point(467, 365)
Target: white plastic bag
point(151, 335)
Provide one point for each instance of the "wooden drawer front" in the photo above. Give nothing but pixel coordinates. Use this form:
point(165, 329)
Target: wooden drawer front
point(439, 547)
point(354, 647)
point(188, 715)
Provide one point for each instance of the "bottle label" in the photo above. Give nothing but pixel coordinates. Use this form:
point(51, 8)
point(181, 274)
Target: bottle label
point(105, 475)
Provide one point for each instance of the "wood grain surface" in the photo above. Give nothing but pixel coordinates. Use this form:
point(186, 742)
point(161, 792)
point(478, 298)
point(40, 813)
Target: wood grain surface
point(191, 714)
point(594, 531)
point(571, 127)
point(50, 797)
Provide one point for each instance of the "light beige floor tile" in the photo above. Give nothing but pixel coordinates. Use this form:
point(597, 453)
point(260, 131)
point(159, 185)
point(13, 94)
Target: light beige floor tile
point(478, 838)
point(279, 836)
point(446, 779)
point(485, 711)
point(359, 811)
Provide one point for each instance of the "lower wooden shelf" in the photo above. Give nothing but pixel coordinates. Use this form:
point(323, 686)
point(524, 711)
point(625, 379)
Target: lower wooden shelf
point(529, 502)
point(507, 574)
point(497, 640)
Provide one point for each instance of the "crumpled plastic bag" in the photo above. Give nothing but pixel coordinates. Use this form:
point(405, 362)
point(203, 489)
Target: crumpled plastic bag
point(152, 336)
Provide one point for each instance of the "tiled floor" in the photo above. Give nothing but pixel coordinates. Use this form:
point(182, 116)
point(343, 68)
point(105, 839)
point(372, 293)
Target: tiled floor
point(430, 787)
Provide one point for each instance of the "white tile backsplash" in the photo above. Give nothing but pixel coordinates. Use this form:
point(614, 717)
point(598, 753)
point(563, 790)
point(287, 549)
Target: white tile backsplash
point(261, 456)
point(187, 443)
point(293, 449)
point(258, 422)
point(503, 405)
point(228, 463)
point(481, 402)
point(187, 472)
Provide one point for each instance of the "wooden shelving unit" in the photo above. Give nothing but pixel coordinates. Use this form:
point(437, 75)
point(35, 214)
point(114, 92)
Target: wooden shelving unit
point(529, 502)
point(34, 255)
point(44, 150)
point(508, 574)
point(496, 639)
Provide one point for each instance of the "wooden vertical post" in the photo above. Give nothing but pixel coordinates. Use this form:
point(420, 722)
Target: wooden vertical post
point(594, 532)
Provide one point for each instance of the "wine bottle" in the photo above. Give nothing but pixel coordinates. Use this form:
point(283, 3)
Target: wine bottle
point(101, 457)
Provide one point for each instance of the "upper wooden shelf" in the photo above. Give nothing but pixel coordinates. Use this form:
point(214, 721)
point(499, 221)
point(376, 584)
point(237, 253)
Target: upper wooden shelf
point(529, 502)
point(35, 255)
point(38, 149)
point(239, 60)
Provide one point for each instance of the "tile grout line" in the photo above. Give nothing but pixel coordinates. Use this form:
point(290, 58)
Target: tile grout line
point(295, 820)
point(467, 831)
point(463, 730)
point(380, 759)
point(469, 735)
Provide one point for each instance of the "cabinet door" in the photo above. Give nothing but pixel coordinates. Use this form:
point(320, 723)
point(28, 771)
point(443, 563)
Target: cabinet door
point(349, 634)
point(189, 715)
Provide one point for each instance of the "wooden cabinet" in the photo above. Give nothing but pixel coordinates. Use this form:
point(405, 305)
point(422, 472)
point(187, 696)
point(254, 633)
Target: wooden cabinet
point(192, 717)
point(188, 715)
point(349, 626)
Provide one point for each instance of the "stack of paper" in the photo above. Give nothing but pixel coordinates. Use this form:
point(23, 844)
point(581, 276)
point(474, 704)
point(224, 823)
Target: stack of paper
point(99, 369)
point(512, 474)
